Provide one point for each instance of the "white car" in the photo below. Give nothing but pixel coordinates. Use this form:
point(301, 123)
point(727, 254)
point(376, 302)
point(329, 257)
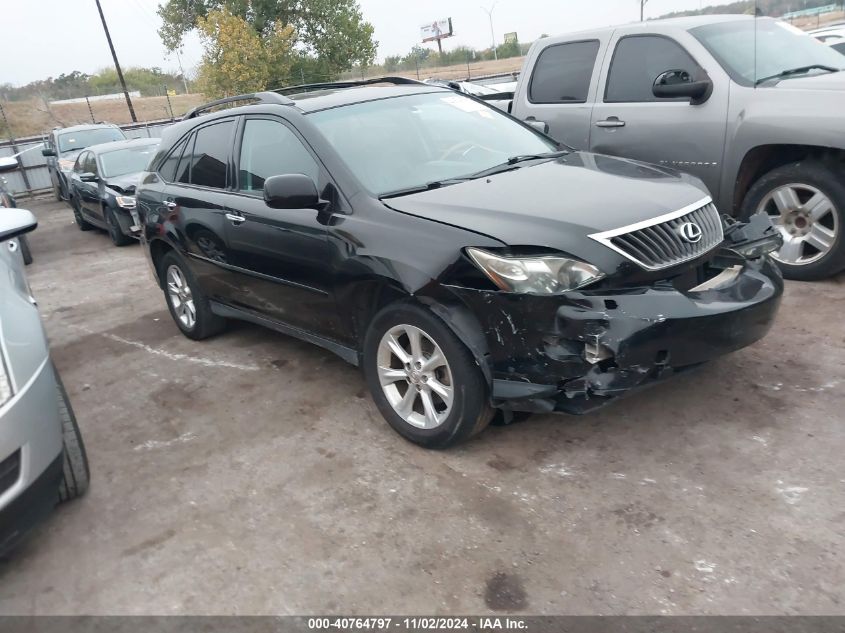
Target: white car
point(833, 36)
point(42, 457)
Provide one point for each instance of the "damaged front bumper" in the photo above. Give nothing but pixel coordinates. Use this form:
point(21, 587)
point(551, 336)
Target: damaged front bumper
point(575, 352)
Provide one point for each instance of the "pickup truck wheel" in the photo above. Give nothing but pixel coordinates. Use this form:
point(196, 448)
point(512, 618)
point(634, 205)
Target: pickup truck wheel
point(806, 201)
point(423, 379)
point(75, 472)
point(186, 301)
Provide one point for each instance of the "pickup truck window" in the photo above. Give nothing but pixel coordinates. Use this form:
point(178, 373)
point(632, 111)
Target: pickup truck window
point(779, 47)
point(562, 73)
point(636, 63)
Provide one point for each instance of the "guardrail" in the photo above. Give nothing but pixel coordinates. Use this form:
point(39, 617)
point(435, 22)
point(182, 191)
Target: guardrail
point(33, 177)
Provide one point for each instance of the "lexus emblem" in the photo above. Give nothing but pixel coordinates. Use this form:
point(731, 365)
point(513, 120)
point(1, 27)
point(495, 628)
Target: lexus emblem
point(690, 232)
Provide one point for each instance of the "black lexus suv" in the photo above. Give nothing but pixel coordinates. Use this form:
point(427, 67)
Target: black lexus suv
point(463, 259)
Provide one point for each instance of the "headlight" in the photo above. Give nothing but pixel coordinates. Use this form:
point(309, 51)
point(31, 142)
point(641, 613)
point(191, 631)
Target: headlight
point(65, 164)
point(5, 384)
point(542, 275)
point(127, 202)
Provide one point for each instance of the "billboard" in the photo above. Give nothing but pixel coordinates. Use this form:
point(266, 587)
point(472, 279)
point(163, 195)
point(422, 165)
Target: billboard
point(436, 30)
point(510, 38)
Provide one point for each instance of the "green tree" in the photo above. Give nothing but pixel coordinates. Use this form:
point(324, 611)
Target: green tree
point(237, 59)
point(331, 31)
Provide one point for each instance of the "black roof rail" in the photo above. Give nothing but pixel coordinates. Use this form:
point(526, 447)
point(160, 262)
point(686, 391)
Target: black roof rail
point(260, 97)
point(352, 83)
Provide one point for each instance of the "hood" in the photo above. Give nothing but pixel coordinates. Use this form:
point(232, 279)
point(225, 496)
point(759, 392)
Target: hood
point(824, 81)
point(557, 204)
point(124, 184)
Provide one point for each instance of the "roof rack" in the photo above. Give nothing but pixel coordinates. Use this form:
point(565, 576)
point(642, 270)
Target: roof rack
point(260, 97)
point(353, 83)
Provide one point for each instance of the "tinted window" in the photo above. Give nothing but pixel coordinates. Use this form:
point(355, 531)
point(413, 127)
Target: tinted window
point(839, 47)
point(183, 171)
point(209, 157)
point(168, 167)
point(90, 164)
point(638, 60)
point(79, 166)
point(562, 73)
point(269, 148)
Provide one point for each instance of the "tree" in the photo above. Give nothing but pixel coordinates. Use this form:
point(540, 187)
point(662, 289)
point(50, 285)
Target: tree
point(331, 31)
point(236, 58)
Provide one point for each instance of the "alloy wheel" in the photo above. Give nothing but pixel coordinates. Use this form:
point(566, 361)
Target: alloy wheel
point(181, 298)
point(806, 218)
point(415, 376)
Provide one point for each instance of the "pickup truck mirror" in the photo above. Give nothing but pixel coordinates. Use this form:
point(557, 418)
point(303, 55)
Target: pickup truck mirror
point(678, 83)
point(87, 176)
point(292, 191)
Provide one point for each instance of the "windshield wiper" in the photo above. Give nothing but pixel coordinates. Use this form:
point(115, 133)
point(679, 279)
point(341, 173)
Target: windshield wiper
point(434, 184)
point(798, 71)
point(513, 160)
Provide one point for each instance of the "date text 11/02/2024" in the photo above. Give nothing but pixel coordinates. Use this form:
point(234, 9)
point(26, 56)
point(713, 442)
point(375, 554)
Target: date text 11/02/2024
point(416, 624)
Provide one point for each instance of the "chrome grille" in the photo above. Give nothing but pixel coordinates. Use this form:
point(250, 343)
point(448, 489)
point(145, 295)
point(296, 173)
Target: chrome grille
point(657, 243)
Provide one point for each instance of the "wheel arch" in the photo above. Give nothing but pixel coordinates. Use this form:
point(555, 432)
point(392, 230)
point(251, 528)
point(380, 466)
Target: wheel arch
point(762, 159)
point(370, 296)
point(158, 249)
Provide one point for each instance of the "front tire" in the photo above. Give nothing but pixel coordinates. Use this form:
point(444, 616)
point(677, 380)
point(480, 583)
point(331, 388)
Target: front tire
point(423, 379)
point(75, 472)
point(81, 223)
point(806, 202)
point(186, 301)
point(116, 234)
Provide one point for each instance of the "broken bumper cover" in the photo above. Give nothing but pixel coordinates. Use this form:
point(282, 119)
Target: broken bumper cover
point(575, 352)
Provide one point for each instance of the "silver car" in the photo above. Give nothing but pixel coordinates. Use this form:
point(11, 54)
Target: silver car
point(42, 457)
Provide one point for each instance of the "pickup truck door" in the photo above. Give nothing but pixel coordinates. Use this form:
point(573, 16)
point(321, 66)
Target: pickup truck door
point(561, 86)
point(629, 121)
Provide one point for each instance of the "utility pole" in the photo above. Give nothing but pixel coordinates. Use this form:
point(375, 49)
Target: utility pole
point(116, 64)
point(489, 13)
point(182, 71)
point(642, 9)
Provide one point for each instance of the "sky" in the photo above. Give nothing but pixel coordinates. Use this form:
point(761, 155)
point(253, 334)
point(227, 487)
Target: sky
point(46, 38)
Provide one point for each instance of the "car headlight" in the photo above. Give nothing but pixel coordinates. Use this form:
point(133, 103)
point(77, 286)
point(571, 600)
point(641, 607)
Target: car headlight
point(65, 164)
point(126, 202)
point(541, 275)
point(5, 384)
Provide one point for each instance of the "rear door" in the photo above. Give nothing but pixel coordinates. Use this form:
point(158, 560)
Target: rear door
point(562, 87)
point(282, 256)
point(196, 202)
point(89, 198)
point(629, 121)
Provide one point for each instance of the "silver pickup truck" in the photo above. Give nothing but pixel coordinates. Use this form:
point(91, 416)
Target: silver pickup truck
point(763, 126)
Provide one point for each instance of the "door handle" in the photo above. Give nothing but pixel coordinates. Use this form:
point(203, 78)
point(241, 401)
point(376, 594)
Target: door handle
point(611, 121)
point(235, 219)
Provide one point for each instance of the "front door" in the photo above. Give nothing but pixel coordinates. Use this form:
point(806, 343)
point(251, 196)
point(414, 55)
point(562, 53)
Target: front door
point(629, 121)
point(89, 197)
point(282, 255)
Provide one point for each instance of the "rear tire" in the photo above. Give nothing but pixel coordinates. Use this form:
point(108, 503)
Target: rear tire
point(392, 373)
point(806, 201)
point(187, 303)
point(115, 232)
point(25, 252)
point(75, 472)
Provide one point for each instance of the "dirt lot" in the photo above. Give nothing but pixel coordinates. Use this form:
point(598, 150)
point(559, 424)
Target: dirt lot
point(252, 474)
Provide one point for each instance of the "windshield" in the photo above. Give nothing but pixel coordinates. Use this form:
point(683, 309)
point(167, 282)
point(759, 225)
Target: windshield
point(405, 142)
point(126, 161)
point(779, 47)
point(72, 141)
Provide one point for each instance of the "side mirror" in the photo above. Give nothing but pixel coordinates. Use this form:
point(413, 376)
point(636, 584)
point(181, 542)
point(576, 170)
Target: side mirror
point(87, 176)
point(678, 83)
point(292, 191)
point(8, 163)
point(540, 126)
point(47, 151)
point(15, 222)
